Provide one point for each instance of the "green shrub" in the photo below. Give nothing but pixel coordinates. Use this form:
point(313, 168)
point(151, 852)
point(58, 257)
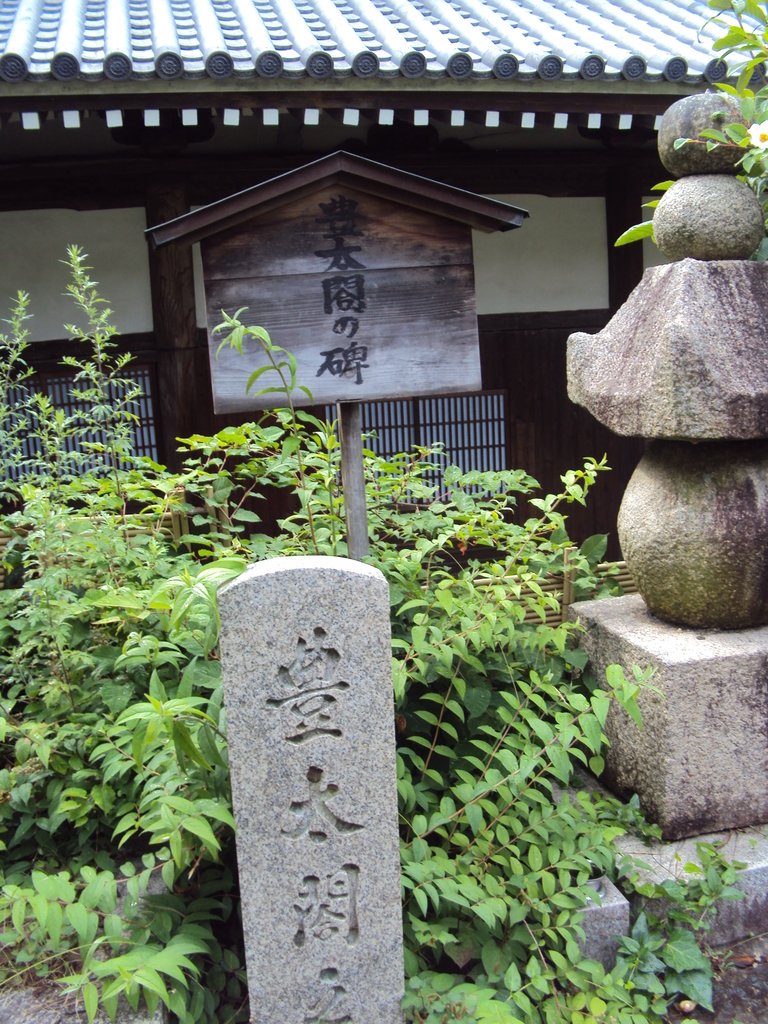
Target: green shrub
point(117, 875)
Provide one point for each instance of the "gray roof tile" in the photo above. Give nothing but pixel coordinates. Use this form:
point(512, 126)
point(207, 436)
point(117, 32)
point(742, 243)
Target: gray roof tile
point(587, 40)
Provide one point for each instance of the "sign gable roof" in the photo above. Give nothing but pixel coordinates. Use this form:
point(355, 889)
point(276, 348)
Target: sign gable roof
point(342, 168)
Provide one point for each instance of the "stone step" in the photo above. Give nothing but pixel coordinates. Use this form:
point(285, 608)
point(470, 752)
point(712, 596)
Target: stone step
point(734, 919)
point(45, 1004)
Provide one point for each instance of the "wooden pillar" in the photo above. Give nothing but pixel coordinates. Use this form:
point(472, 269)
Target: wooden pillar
point(183, 402)
point(623, 208)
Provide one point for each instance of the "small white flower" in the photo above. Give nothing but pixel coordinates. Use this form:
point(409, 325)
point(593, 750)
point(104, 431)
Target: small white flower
point(758, 135)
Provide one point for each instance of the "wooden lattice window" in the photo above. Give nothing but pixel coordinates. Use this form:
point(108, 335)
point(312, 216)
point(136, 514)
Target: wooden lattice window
point(472, 428)
point(58, 386)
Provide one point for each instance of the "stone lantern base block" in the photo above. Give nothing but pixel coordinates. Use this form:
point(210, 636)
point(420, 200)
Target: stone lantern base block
point(700, 762)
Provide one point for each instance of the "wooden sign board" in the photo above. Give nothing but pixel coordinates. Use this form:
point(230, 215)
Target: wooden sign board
point(374, 299)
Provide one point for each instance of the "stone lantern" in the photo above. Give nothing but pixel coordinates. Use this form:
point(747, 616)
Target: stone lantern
point(684, 364)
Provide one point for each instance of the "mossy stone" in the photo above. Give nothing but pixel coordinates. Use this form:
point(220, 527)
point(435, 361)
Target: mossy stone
point(687, 119)
point(693, 527)
point(709, 217)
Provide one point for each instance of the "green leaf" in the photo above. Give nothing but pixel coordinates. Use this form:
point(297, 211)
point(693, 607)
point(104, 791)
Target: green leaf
point(116, 695)
point(78, 917)
point(682, 953)
point(485, 910)
point(168, 874)
point(615, 678)
point(535, 859)
point(594, 548)
point(90, 996)
point(512, 978)
point(149, 978)
point(474, 816)
point(113, 927)
point(477, 697)
point(44, 884)
point(493, 1011)
point(516, 912)
point(185, 746)
point(492, 959)
point(561, 763)
point(18, 914)
point(593, 733)
point(54, 922)
point(138, 745)
point(636, 233)
point(421, 898)
point(696, 985)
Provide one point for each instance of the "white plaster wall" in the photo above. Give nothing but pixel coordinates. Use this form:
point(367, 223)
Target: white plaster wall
point(558, 259)
point(652, 256)
point(35, 241)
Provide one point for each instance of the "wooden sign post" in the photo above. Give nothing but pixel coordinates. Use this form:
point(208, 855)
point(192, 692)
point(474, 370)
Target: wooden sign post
point(353, 478)
point(363, 272)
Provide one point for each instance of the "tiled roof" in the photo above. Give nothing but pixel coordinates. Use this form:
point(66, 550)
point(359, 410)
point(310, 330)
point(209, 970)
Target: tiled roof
point(580, 40)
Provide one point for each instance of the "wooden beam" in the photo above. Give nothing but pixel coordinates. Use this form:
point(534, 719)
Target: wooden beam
point(623, 208)
point(347, 169)
point(119, 181)
point(183, 378)
point(622, 99)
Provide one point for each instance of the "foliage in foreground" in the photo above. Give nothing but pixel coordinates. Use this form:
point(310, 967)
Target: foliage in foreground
point(117, 875)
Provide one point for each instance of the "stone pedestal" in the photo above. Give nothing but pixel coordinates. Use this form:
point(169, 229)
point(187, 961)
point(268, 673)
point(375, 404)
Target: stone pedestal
point(701, 760)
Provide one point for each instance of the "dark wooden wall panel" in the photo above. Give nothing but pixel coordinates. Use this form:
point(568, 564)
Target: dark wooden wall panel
point(548, 434)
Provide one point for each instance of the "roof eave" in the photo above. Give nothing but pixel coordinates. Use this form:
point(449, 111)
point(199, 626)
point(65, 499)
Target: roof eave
point(259, 92)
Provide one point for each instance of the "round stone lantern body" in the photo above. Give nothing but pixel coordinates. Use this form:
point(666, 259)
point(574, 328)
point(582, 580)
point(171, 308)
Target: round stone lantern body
point(709, 217)
point(693, 527)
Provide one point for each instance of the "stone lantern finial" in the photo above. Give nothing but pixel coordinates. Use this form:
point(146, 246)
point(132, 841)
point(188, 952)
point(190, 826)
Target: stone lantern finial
point(708, 214)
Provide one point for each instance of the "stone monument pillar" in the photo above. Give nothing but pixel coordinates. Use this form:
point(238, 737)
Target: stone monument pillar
point(306, 662)
point(684, 363)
